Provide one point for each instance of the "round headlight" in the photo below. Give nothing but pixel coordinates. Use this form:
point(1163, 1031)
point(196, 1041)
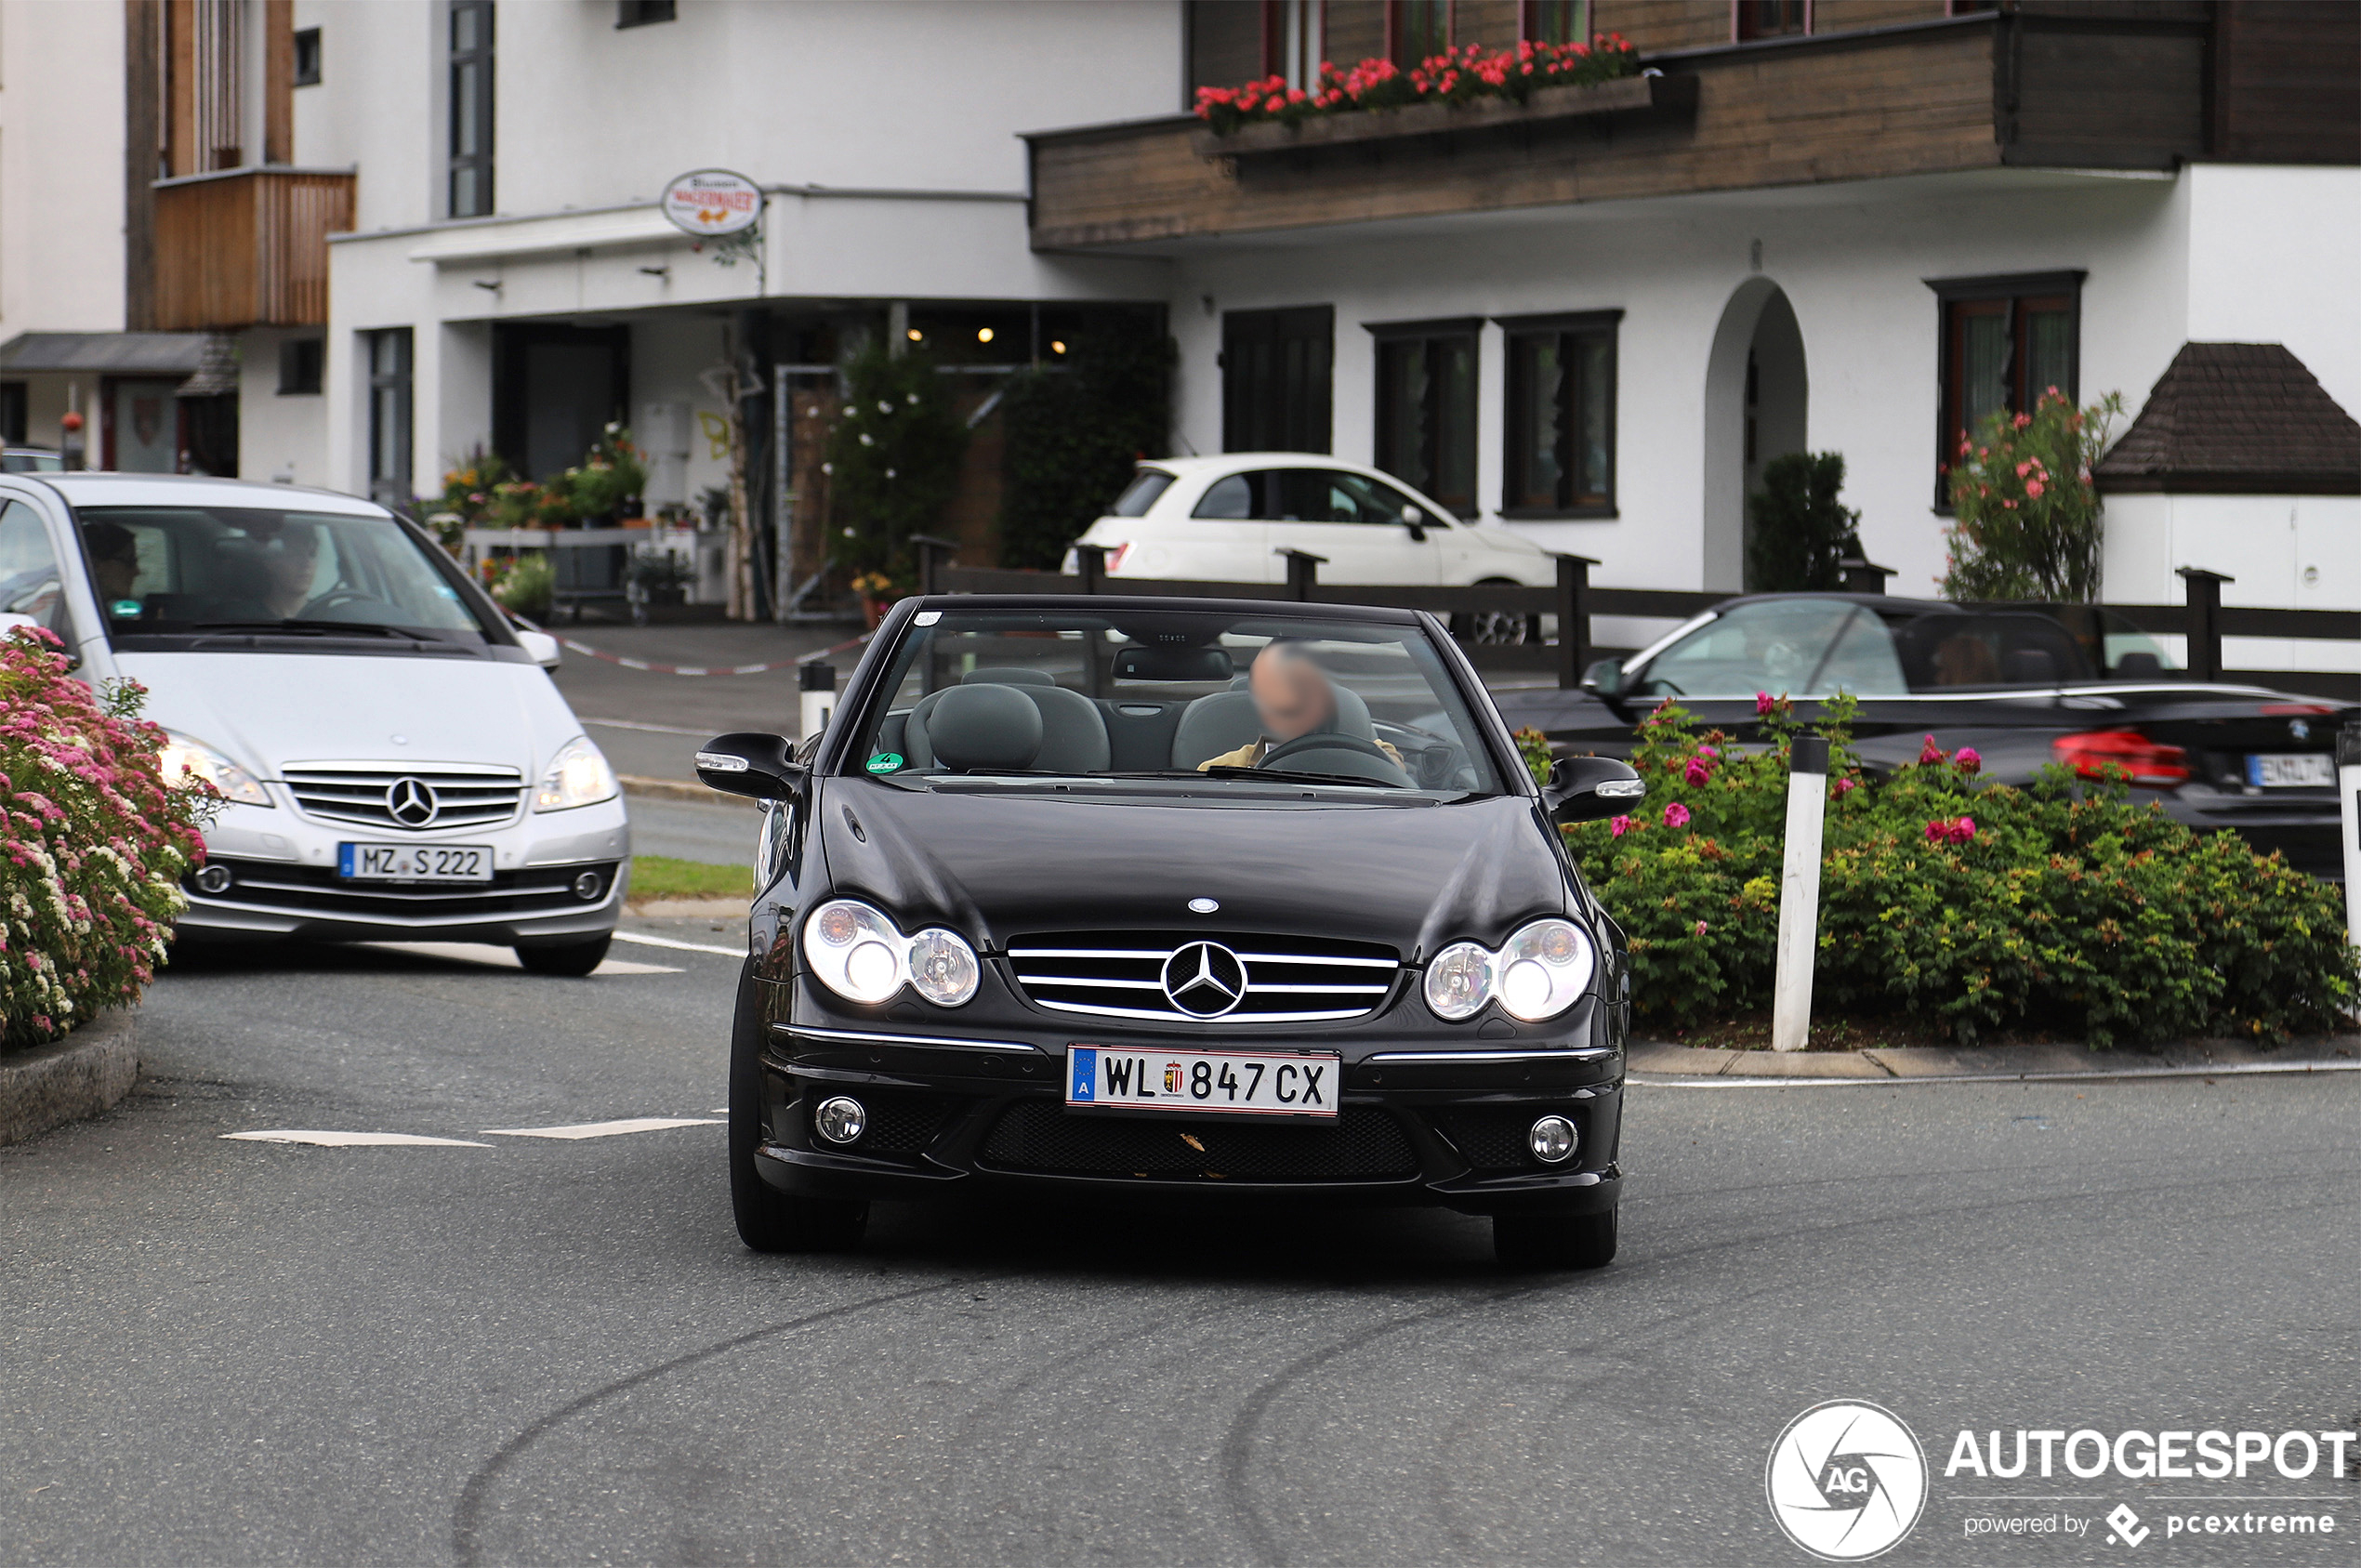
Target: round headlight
point(1458, 981)
point(1544, 970)
point(854, 951)
point(942, 966)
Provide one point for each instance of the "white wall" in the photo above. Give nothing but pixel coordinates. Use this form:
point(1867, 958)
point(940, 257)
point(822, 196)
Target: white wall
point(281, 435)
point(2299, 552)
point(2273, 254)
point(61, 167)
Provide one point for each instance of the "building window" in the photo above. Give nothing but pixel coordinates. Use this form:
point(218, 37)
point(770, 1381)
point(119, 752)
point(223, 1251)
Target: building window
point(388, 355)
point(300, 361)
point(640, 13)
point(307, 56)
point(13, 413)
point(1426, 408)
point(471, 108)
point(1275, 367)
point(1293, 39)
point(1773, 18)
point(1556, 21)
point(2005, 342)
point(1560, 447)
point(1416, 29)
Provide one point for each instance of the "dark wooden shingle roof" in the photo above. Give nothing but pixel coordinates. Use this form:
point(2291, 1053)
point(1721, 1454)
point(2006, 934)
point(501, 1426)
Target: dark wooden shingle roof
point(2237, 418)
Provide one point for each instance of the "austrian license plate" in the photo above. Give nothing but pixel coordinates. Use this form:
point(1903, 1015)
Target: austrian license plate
point(2288, 771)
point(1246, 1083)
point(415, 863)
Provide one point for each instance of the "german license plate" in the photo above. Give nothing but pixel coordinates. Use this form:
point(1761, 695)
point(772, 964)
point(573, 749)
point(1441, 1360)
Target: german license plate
point(415, 863)
point(1195, 1083)
point(2290, 769)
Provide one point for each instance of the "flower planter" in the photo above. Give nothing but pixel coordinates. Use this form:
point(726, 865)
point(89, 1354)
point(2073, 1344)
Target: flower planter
point(1668, 96)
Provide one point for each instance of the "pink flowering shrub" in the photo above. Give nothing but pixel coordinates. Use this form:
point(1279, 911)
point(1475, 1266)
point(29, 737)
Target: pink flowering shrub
point(2026, 514)
point(97, 843)
point(2063, 907)
point(1457, 75)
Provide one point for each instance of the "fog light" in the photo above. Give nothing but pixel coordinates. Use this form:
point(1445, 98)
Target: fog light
point(213, 879)
point(587, 885)
point(1552, 1140)
point(843, 1121)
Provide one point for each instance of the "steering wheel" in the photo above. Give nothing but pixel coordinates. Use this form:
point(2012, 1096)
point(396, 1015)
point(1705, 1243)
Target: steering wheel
point(1328, 740)
point(332, 598)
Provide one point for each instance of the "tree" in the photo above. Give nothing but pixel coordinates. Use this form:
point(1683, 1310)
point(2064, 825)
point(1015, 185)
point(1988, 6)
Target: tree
point(894, 459)
point(1072, 435)
point(2027, 515)
point(1800, 530)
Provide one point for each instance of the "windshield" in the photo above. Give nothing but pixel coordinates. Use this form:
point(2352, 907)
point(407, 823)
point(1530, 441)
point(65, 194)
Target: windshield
point(1798, 647)
point(201, 570)
point(1181, 693)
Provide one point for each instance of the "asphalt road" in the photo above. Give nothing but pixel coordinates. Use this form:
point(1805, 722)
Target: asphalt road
point(547, 1350)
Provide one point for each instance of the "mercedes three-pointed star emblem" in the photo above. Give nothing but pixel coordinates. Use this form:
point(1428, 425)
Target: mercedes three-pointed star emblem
point(1204, 980)
point(411, 802)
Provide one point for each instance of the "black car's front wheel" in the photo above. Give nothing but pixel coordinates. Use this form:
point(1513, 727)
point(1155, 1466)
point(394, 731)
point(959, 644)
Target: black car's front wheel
point(770, 1221)
point(1553, 1241)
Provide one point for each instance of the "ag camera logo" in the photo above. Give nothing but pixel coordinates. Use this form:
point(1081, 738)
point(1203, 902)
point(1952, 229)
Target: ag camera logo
point(1846, 1480)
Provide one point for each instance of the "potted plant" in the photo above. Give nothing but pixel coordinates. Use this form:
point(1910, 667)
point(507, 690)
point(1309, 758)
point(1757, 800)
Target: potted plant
point(876, 595)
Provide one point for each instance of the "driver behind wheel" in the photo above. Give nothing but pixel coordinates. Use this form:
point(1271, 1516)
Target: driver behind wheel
point(1293, 698)
point(289, 562)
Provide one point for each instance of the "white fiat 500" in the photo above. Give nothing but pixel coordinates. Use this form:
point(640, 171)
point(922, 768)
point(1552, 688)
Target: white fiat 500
point(1225, 518)
point(396, 761)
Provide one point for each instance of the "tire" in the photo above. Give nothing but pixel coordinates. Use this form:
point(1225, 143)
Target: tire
point(1496, 628)
point(1537, 1242)
point(767, 1220)
point(574, 958)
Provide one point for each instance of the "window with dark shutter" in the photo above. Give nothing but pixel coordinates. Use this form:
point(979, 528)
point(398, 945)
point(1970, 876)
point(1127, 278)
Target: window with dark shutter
point(1275, 374)
point(1426, 412)
point(1558, 447)
point(472, 116)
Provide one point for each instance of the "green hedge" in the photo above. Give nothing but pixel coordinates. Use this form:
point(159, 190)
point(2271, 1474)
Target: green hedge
point(1072, 435)
point(2071, 905)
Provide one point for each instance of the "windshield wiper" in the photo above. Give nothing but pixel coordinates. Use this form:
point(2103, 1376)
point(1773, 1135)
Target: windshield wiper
point(318, 628)
point(1290, 775)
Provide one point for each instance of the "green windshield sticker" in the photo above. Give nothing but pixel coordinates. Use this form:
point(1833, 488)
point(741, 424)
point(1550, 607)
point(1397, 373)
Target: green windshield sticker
point(885, 762)
point(124, 609)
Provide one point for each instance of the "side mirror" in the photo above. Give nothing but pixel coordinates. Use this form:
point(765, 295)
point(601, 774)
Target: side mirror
point(540, 647)
point(1415, 521)
point(1584, 789)
point(1603, 678)
point(748, 762)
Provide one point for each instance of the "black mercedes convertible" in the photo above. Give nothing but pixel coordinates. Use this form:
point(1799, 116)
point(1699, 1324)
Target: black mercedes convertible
point(1138, 898)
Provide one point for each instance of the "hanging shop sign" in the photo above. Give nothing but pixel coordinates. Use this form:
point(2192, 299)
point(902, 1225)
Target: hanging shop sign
point(710, 203)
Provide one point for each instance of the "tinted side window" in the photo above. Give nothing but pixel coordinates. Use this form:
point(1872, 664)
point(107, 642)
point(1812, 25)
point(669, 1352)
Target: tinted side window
point(1140, 493)
point(1228, 498)
point(1333, 495)
point(1795, 647)
point(31, 583)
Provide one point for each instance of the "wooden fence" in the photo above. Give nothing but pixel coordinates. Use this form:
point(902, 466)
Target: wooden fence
point(2204, 620)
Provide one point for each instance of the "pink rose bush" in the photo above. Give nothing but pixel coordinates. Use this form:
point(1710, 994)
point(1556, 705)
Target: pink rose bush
point(1458, 75)
point(97, 843)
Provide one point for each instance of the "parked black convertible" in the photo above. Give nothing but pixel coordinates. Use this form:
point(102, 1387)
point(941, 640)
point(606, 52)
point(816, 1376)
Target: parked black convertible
point(1136, 898)
point(2025, 687)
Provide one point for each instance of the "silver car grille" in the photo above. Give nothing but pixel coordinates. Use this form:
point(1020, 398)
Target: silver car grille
point(1279, 980)
point(395, 797)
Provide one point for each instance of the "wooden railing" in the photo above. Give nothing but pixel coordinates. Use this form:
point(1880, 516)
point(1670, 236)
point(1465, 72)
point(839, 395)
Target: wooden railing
point(1575, 601)
point(247, 248)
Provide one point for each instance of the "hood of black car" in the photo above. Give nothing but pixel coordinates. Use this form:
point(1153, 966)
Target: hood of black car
point(999, 865)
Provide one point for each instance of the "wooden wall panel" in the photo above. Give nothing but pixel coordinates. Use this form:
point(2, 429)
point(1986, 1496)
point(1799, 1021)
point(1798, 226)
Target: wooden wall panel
point(1654, 25)
point(2287, 81)
point(2103, 96)
point(1913, 104)
point(247, 249)
point(1225, 43)
point(1496, 24)
point(1356, 30)
point(1844, 16)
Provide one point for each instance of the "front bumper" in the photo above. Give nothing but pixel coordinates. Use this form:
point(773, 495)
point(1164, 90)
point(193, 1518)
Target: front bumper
point(283, 882)
point(1415, 1126)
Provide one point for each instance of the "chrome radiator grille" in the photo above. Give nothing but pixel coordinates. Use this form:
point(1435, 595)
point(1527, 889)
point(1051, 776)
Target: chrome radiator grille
point(1199, 977)
point(423, 798)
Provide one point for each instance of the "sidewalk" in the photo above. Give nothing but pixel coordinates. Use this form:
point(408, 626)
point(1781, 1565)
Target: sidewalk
point(1655, 1060)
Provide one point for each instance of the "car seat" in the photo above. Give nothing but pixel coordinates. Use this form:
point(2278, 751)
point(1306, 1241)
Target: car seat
point(1073, 737)
point(1222, 721)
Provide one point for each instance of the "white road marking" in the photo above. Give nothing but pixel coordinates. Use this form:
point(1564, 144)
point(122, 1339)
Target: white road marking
point(2087, 1075)
point(606, 1129)
point(352, 1139)
point(650, 729)
point(722, 1110)
point(681, 946)
point(506, 957)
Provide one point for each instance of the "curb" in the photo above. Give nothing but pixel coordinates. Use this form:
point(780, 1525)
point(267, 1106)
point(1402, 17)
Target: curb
point(1668, 1065)
point(674, 789)
point(80, 1075)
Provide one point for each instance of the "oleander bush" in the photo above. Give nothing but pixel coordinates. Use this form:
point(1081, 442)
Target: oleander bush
point(97, 842)
point(2070, 906)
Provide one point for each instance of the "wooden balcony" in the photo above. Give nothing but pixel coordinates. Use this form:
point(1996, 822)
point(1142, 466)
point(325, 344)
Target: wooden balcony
point(246, 247)
point(2037, 82)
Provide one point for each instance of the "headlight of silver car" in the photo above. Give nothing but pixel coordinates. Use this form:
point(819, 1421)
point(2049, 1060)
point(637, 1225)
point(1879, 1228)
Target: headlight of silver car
point(578, 775)
point(862, 957)
point(181, 753)
point(1540, 973)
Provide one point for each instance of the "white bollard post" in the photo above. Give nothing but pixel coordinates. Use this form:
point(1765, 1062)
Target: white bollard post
point(819, 684)
point(2349, 807)
point(1799, 895)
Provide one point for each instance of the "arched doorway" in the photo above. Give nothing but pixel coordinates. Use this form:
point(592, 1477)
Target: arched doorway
point(1756, 393)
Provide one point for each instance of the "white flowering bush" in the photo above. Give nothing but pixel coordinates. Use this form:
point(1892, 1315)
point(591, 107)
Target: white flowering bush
point(95, 846)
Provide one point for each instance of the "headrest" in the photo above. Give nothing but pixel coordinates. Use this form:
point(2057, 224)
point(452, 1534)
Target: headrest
point(1008, 675)
point(987, 726)
point(1352, 714)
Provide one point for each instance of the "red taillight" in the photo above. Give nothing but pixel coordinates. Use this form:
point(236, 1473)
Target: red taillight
point(2148, 762)
point(1116, 556)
